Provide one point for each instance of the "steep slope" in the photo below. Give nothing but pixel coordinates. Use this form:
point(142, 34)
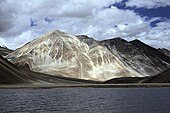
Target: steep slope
point(151, 52)
point(89, 41)
point(10, 74)
point(164, 51)
point(163, 77)
point(139, 56)
point(5, 51)
point(59, 53)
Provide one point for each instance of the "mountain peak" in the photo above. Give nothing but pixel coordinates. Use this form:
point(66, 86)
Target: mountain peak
point(84, 37)
point(53, 37)
point(136, 42)
point(55, 33)
point(59, 53)
point(116, 39)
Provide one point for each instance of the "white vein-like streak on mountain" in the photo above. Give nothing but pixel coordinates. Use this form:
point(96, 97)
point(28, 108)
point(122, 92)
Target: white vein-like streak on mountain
point(59, 53)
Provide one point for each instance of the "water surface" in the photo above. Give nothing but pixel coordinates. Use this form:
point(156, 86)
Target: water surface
point(85, 100)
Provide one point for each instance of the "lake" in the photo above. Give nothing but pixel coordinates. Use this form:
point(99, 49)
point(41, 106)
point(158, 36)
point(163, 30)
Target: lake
point(85, 100)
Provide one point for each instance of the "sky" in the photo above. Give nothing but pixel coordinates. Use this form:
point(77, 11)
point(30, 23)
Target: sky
point(147, 20)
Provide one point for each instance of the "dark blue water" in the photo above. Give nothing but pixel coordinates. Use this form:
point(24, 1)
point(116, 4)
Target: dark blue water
point(85, 100)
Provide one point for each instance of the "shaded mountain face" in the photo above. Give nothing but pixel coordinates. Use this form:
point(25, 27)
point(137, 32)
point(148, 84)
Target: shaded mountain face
point(5, 51)
point(59, 53)
point(164, 51)
point(139, 56)
point(163, 77)
point(9, 74)
point(89, 41)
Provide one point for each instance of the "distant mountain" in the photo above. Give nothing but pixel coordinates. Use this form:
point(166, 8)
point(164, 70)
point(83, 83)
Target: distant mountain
point(59, 53)
point(5, 51)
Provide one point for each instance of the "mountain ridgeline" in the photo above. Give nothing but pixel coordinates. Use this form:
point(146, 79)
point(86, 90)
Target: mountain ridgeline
point(5, 51)
point(139, 56)
point(61, 54)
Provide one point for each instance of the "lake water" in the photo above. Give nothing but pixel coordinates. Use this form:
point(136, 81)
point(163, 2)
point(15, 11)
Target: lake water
point(85, 100)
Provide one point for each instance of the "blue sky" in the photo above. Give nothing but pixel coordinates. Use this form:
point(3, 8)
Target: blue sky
point(163, 12)
point(146, 20)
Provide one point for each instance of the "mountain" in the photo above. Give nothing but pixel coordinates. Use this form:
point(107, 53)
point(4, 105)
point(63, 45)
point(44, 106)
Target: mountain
point(88, 40)
point(141, 57)
point(59, 53)
point(5, 51)
point(164, 51)
point(10, 74)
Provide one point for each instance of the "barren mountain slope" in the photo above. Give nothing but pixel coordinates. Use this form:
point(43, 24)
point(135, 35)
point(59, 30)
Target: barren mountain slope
point(139, 56)
point(59, 53)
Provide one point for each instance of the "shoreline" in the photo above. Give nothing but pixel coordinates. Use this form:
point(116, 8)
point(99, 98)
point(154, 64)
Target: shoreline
point(31, 86)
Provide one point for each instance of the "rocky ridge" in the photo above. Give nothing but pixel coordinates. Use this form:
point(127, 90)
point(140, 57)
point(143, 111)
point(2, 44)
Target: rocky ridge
point(59, 53)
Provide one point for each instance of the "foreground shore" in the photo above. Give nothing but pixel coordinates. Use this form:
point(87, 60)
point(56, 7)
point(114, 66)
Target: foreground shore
point(41, 86)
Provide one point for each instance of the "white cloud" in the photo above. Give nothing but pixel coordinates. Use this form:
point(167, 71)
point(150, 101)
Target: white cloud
point(148, 3)
point(15, 15)
point(90, 17)
point(121, 26)
point(18, 41)
point(158, 36)
point(2, 42)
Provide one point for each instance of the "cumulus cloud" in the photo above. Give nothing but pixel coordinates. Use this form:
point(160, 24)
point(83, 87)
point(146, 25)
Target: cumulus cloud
point(148, 3)
point(16, 15)
point(18, 41)
point(22, 21)
point(7, 14)
point(158, 36)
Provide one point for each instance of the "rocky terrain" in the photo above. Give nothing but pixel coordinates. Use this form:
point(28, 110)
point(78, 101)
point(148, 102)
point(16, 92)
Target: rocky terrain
point(139, 56)
point(61, 54)
point(10, 74)
point(5, 51)
point(164, 51)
